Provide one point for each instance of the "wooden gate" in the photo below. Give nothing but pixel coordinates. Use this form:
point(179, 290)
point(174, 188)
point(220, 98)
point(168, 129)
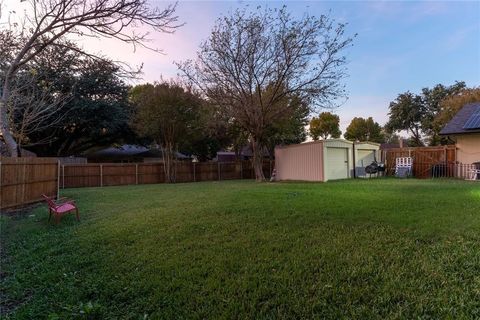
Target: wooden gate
point(424, 158)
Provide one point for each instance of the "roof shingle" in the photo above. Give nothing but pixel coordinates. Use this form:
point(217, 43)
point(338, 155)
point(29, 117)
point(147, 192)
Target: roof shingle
point(455, 126)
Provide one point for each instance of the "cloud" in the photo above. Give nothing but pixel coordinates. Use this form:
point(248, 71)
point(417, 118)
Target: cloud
point(181, 45)
point(458, 37)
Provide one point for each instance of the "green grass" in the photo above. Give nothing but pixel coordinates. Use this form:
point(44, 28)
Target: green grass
point(240, 250)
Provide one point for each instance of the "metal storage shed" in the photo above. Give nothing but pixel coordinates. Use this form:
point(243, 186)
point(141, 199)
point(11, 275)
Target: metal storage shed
point(364, 154)
point(315, 161)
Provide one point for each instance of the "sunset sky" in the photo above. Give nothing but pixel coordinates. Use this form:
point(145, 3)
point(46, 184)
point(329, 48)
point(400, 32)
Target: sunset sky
point(400, 45)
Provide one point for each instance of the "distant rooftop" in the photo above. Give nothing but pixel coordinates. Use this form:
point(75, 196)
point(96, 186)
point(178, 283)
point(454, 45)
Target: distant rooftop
point(130, 150)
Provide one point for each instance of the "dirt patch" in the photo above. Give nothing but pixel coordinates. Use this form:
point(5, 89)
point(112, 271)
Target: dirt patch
point(23, 212)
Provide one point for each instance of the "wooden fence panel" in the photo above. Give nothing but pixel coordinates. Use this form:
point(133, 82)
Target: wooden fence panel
point(247, 170)
point(81, 175)
point(24, 180)
point(206, 171)
point(267, 169)
point(424, 158)
point(183, 172)
point(112, 174)
point(230, 170)
point(149, 173)
point(118, 174)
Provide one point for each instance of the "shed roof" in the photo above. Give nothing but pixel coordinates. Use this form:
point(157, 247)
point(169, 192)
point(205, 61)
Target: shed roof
point(367, 145)
point(368, 142)
point(456, 125)
point(327, 141)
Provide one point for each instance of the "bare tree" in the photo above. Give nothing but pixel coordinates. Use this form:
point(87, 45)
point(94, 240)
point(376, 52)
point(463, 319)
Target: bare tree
point(51, 20)
point(33, 107)
point(254, 60)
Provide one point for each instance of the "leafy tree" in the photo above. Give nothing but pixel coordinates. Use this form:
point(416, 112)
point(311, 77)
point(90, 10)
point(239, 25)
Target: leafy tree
point(416, 113)
point(99, 110)
point(407, 113)
point(255, 60)
point(289, 130)
point(47, 23)
point(168, 113)
point(67, 103)
point(390, 137)
point(451, 104)
point(213, 132)
point(237, 135)
point(432, 99)
point(361, 129)
point(326, 125)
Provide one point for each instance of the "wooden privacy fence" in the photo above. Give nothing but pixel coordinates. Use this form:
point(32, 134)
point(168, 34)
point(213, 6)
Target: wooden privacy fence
point(424, 158)
point(24, 180)
point(115, 174)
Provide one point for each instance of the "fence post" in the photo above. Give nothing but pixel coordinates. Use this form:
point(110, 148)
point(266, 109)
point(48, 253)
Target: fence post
point(24, 182)
point(58, 179)
point(218, 169)
point(136, 173)
point(194, 177)
point(101, 175)
point(175, 171)
point(63, 176)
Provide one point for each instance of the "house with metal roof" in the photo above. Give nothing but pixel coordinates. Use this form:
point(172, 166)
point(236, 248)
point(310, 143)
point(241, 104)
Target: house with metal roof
point(130, 153)
point(464, 129)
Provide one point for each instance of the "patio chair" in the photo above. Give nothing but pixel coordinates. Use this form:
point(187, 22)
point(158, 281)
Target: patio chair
point(403, 167)
point(60, 207)
point(474, 175)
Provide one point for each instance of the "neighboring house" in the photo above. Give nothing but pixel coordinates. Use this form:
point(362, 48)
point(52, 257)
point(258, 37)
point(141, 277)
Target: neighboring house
point(464, 129)
point(228, 156)
point(129, 153)
point(386, 146)
point(245, 153)
point(72, 160)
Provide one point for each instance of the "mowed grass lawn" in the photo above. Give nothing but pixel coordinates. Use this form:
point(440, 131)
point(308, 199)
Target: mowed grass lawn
point(361, 249)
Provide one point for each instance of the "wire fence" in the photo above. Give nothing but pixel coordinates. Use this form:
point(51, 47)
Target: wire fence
point(455, 170)
point(442, 170)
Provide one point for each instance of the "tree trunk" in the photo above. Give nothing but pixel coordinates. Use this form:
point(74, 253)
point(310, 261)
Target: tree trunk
point(237, 153)
point(257, 160)
point(168, 161)
point(5, 123)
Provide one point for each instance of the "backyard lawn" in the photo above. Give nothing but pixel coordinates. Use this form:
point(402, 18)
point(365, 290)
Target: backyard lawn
point(366, 249)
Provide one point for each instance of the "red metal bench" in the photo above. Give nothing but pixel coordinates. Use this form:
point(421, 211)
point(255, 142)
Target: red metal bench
point(60, 207)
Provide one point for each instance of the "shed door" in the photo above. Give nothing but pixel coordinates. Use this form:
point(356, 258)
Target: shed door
point(337, 163)
point(365, 157)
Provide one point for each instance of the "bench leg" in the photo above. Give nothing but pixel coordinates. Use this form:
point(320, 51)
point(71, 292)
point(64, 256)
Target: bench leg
point(76, 214)
point(57, 218)
point(49, 214)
